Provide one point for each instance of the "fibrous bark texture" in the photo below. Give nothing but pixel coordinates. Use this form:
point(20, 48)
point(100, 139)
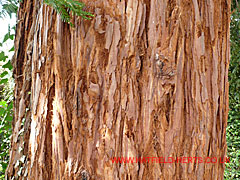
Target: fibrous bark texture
point(141, 79)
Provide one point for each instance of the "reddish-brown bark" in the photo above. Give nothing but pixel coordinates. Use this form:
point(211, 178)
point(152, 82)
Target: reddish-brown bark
point(141, 79)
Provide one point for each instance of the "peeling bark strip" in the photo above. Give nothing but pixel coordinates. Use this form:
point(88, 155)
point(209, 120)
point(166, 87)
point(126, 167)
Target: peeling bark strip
point(142, 79)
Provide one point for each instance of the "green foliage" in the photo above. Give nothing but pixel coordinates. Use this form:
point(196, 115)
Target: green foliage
point(6, 111)
point(8, 8)
point(6, 66)
point(67, 7)
point(6, 106)
point(232, 170)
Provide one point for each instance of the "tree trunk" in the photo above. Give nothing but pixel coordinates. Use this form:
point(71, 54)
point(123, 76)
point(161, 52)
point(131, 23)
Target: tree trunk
point(141, 79)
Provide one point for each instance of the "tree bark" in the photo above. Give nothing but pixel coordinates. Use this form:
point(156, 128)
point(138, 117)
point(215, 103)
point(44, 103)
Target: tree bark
point(141, 79)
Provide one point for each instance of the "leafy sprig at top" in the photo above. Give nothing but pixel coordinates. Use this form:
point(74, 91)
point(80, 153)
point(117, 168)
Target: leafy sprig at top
point(67, 7)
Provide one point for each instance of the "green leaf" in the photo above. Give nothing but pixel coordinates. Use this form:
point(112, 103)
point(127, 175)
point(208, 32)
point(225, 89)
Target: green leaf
point(12, 49)
point(3, 81)
point(6, 37)
point(3, 103)
point(11, 36)
point(1, 112)
point(4, 74)
point(3, 57)
point(8, 65)
point(9, 119)
point(67, 7)
point(10, 106)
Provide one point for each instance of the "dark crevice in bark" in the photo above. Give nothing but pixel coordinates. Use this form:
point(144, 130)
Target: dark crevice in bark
point(185, 49)
point(48, 139)
point(139, 166)
point(218, 124)
point(167, 105)
point(147, 20)
point(126, 5)
point(122, 123)
point(170, 7)
point(209, 147)
point(20, 53)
